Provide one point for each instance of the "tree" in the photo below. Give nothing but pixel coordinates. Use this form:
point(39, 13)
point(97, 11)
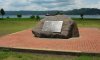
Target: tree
point(19, 15)
point(2, 12)
point(81, 16)
point(57, 13)
point(37, 17)
point(32, 17)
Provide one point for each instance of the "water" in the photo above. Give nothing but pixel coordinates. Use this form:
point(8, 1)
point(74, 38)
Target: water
point(85, 16)
point(15, 16)
point(72, 16)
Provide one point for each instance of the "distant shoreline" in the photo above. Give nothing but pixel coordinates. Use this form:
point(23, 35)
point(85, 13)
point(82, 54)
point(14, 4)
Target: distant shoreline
point(72, 16)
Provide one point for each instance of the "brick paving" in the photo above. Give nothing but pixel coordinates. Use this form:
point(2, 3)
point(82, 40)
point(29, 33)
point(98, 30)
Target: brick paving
point(88, 42)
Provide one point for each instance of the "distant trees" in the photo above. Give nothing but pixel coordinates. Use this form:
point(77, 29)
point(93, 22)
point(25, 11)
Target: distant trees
point(86, 11)
point(19, 15)
point(59, 13)
point(8, 17)
point(32, 17)
point(2, 12)
point(82, 16)
point(37, 17)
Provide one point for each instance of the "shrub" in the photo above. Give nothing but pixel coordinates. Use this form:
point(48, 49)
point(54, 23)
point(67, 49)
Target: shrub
point(19, 15)
point(32, 17)
point(37, 17)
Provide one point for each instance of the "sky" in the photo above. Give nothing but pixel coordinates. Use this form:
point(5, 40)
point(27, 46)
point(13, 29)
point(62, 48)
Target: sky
point(42, 5)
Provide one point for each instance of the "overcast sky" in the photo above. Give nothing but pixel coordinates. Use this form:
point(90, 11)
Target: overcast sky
point(38, 5)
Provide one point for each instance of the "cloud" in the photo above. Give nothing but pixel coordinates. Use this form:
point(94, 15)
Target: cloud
point(52, 3)
point(87, 4)
point(48, 4)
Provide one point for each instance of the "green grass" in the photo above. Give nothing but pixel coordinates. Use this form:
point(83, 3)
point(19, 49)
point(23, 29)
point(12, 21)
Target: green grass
point(12, 25)
point(91, 23)
point(6, 54)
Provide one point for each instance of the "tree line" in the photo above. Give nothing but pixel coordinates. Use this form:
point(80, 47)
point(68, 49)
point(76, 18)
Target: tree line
point(81, 12)
point(85, 11)
point(2, 12)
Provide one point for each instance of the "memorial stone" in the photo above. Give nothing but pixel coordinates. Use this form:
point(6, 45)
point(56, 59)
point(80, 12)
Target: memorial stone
point(58, 26)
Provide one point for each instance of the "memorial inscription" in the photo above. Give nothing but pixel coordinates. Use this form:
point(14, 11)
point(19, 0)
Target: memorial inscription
point(52, 26)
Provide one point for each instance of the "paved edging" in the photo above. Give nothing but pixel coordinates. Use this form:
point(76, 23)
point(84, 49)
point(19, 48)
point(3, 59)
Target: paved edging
point(47, 51)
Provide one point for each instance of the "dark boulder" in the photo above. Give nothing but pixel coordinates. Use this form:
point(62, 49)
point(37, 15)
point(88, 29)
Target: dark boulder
point(68, 29)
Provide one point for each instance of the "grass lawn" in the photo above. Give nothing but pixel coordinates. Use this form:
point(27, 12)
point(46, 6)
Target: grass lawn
point(12, 25)
point(6, 54)
point(87, 22)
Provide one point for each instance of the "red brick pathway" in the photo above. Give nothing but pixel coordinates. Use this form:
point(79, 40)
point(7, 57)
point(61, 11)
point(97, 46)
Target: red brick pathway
point(89, 41)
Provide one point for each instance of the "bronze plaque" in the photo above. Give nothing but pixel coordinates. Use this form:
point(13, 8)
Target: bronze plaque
point(52, 26)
